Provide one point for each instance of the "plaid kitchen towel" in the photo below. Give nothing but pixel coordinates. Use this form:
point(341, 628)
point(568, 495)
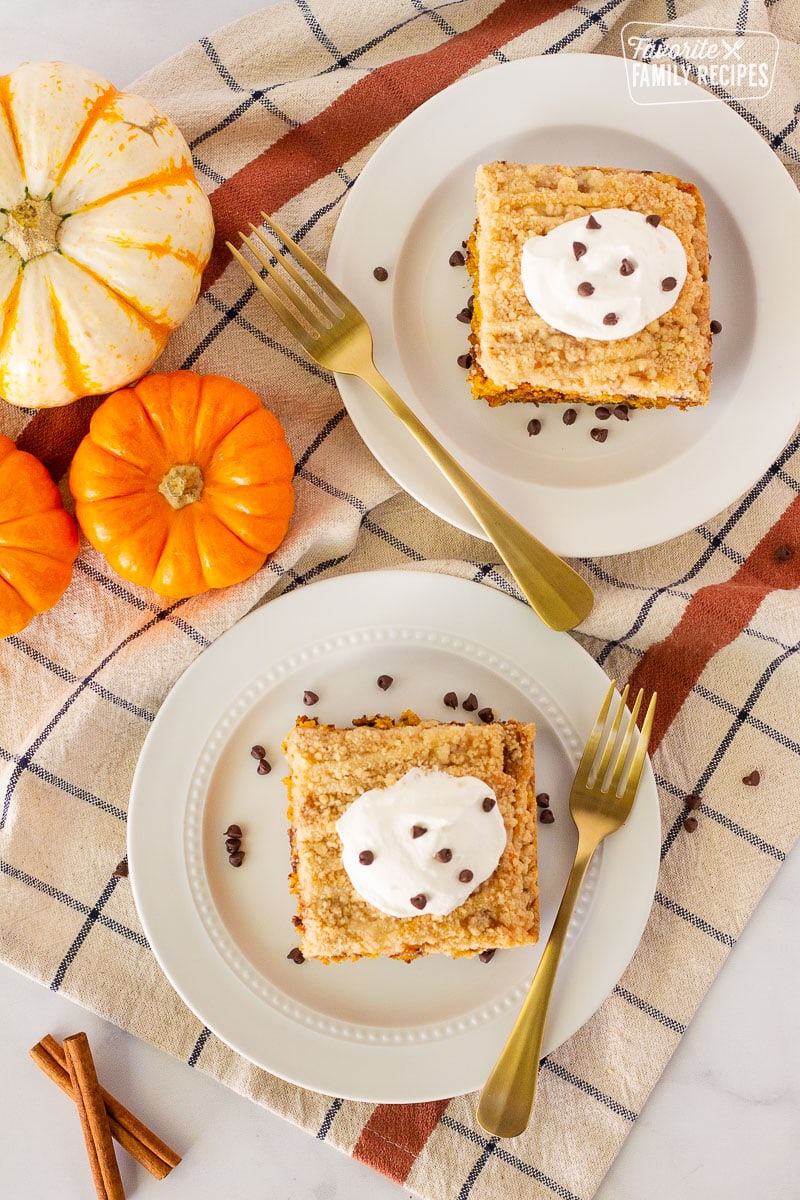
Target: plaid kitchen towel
point(282, 110)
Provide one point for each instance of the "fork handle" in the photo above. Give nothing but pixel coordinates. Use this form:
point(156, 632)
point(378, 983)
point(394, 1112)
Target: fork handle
point(553, 589)
point(505, 1104)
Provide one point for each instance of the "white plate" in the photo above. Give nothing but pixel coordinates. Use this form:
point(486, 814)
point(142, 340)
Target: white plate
point(413, 204)
point(372, 1030)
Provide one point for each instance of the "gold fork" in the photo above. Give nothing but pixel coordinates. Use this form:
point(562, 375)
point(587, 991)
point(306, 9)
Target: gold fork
point(599, 803)
point(335, 334)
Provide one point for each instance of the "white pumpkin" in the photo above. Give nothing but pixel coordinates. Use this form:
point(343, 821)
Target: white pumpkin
point(104, 234)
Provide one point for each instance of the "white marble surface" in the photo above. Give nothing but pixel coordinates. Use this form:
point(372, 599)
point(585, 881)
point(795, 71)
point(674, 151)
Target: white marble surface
point(724, 1118)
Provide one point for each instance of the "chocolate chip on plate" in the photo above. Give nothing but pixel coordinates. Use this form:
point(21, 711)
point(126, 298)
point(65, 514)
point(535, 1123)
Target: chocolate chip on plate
point(534, 427)
point(464, 316)
point(456, 259)
point(384, 682)
point(598, 435)
point(570, 416)
point(450, 700)
point(264, 767)
point(465, 361)
point(237, 858)
point(543, 800)
point(233, 831)
point(232, 844)
point(257, 751)
point(547, 816)
point(602, 413)
point(716, 327)
point(486, 715)
point(486, 956)
point(310, 698)
point(296, 955)
point(381, 274)
point(471, 703)
point(621, 412)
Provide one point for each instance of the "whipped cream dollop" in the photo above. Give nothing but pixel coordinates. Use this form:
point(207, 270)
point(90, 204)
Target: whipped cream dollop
point(605, 276)
point(423, 844)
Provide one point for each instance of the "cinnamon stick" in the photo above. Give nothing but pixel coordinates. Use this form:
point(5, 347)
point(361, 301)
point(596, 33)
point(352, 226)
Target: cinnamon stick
point(135, 1137)
point(94, 1118)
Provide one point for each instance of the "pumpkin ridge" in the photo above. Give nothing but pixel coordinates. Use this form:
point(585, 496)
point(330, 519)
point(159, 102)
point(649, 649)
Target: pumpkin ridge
point(5, 104)
point(12, 308)
point(96, 110)
point(159, 329)
point(161, 250)
point(76, 378)
point(171, 175)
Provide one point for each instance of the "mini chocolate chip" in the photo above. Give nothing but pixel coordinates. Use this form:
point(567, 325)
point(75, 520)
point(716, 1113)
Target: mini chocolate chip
point(121, 870)
point(418, 831)
point(583, 187)
point(381, 274)
point(257, 751)
point(626, 267)
point(621, 412)
point(264, 767)
point(578, 249)
point(384, 682)
point(602, 413)
point(693, 800)
point(570, 417)
point(465, 316)
point(366, 857)
point(456, 259)
point(486, 955)
point(232, 844)
point(585, 289)
point(669, 283)
point(488, 803)
point(443, 855)
point(296, 955)
point(486, 715)
point(592, 223)
point(543, 800)
point(310, 698)
point(753, 779)
point(546, 816)
point(653, 220)
point(233, 831)
point(610, 319)
point(465, 876)
point(690, 824)
point(419, 901)
point(471, 303)
point(598, 435)
point(465, 361)
point(471, 702)
point(534, 427)
point(783, 552)
point(237, 858)
point(297, 921)
point(450, 700)
point(716, 327)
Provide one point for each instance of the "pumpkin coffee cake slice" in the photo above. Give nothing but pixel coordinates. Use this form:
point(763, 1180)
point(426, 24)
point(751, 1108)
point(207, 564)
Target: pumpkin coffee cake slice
point(412, 837)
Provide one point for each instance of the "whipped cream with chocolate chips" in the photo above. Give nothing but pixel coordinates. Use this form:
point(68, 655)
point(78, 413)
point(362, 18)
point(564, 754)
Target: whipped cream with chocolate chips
point(423, 844)
point(605, 276)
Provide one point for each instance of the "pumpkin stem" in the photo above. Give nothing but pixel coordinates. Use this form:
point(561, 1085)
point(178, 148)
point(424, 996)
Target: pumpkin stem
point(182, 485)
point(32, 228)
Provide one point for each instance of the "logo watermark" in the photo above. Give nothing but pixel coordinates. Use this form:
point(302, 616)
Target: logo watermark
point(664, 62)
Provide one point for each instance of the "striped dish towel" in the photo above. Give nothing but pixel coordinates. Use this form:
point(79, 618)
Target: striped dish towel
point(282, 111)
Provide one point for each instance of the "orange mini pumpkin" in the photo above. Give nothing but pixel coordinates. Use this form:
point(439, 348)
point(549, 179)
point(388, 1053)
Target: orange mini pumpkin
point(184, 483)
point(38, 539)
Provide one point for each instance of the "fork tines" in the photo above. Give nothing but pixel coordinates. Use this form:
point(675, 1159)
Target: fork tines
point(317, 316)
